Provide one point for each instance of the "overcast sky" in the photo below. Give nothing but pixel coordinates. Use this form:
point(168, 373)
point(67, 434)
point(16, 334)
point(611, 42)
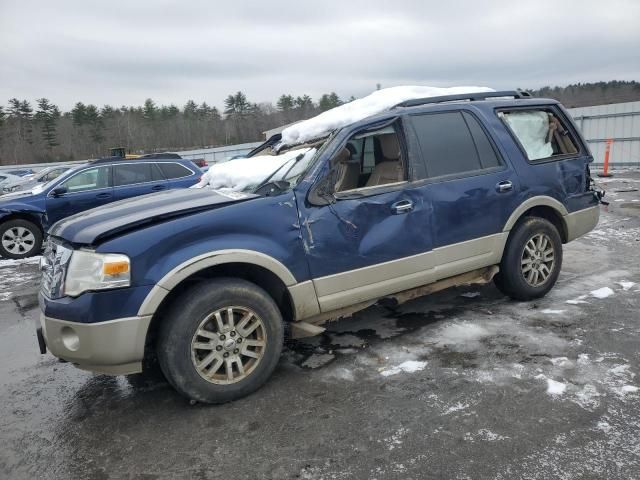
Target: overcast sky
point(121, 52)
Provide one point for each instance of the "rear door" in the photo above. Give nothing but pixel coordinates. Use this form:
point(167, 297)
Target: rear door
point(471, 188)
point(86, 189)
point(137, 178)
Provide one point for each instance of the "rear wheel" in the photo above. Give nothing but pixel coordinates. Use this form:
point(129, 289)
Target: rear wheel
point(220, 340)
point(20, 239)
point(532, 260)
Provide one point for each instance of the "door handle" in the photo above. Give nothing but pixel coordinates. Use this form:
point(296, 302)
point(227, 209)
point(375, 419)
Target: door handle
point(505, 186)
point(157, 188)
point(403, 206)
point(102, 196)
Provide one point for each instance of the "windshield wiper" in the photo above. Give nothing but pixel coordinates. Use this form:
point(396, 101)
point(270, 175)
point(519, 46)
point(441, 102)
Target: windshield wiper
point(267, 180)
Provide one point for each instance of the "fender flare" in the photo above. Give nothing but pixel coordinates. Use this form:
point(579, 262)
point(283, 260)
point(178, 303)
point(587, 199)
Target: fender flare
point(540, 201)
point(206, 260)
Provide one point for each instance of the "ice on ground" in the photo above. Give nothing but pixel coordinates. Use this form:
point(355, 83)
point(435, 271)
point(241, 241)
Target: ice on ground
point(410, 366)
point(576, 301)
point(456, 408)
point(552, 312)
point(603, 292)
point(470, 294)
point(22, 261)
point(626, 285)
point(377, 102)
point(239, 174)
point(555, 388)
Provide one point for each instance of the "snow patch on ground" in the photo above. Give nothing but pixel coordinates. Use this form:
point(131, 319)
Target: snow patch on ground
point(603, 292)
point(626, 285)
point(550, 311)
point(456, 408)
point(377, 102)
point(555, 388)
point(410, 366)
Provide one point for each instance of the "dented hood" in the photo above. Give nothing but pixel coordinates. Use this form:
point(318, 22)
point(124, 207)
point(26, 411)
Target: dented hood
point(92, 226)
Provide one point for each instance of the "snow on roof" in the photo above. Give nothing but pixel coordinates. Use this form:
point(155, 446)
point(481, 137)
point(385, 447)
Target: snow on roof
point(377, 102)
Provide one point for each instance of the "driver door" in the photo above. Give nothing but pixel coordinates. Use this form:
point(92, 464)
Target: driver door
point(86, 189)
point(375, 236)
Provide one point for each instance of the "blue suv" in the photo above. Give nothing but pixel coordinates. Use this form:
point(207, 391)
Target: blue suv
point(26, 216)
point(427, 195)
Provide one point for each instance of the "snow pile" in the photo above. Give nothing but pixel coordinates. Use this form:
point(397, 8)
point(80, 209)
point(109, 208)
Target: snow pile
point(377, 102)
point(241, 173)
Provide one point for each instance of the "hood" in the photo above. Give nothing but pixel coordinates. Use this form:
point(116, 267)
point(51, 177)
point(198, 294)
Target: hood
point(15, 195)
point(91, 226)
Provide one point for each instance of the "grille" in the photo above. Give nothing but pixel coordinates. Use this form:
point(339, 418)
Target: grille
point(53, 265)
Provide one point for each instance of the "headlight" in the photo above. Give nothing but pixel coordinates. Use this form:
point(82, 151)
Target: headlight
point(96, 271)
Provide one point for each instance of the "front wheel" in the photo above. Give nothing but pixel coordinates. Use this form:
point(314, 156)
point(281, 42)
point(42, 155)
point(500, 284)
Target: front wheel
point(531, 261)
point(220, 340)
point(20, 239)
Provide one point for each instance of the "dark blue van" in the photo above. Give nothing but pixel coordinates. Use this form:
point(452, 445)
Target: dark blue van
point(426, 195)
point(25, 217)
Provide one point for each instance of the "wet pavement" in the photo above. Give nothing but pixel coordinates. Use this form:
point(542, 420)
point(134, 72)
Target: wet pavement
point(462, 384)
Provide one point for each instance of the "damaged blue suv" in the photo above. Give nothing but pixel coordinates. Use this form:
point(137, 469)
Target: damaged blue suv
point(428, 194)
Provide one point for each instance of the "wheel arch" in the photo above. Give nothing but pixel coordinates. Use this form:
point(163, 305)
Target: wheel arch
point(260, 269)
point(33, 217)
point(544, 207)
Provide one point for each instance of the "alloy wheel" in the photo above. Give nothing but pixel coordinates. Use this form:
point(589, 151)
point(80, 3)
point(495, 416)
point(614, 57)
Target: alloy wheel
point(228, 345)
point(538, 259)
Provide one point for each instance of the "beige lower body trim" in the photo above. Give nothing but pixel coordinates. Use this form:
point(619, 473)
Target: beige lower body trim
point(355, 286)
point(581, 222)
point(114, 347)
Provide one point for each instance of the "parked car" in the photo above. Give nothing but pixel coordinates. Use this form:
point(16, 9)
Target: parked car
point(426, 195)
point(6, 178)
point(21, 172)
point(43, 176)
point(25, 217)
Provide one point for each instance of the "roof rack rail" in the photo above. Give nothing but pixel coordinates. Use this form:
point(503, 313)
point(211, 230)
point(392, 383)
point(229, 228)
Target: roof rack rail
point(149, 156)
point(464, 96)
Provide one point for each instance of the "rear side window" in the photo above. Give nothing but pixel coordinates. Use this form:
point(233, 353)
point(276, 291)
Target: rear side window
point(453, 143)
point(540, 132)
point(174, 170)
point(132, 173)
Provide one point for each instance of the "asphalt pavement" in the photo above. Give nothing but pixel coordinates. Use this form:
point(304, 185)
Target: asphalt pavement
point(464, 384)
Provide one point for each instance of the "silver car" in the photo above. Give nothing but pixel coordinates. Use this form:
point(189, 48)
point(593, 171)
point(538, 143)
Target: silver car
point(43, 176)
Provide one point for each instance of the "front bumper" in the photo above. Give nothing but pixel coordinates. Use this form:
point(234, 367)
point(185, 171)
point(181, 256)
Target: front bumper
point(114, 347)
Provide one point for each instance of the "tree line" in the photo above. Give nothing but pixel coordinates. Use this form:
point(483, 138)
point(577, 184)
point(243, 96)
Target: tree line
point(40, 132)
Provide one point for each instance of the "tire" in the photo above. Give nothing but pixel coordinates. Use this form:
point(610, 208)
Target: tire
point(248, 357)
point(529, 270)
point(20, 239)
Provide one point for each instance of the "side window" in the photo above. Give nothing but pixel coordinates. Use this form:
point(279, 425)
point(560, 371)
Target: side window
point(446, 143)
point(540, 132)
point(90, 179)
point(486, 152)
point(132, 173)
point(377, 161)
point(174, 170)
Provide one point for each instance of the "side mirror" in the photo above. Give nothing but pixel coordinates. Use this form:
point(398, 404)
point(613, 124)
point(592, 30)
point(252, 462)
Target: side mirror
point(322, 192)
point(59, 191)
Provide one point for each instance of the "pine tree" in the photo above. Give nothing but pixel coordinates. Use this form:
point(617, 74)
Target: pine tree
point(285, 103)
point(96, 125)
point(149, 111)
point(190, 109)
point(48, 115)
point(79, 114)
point(329, 101)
